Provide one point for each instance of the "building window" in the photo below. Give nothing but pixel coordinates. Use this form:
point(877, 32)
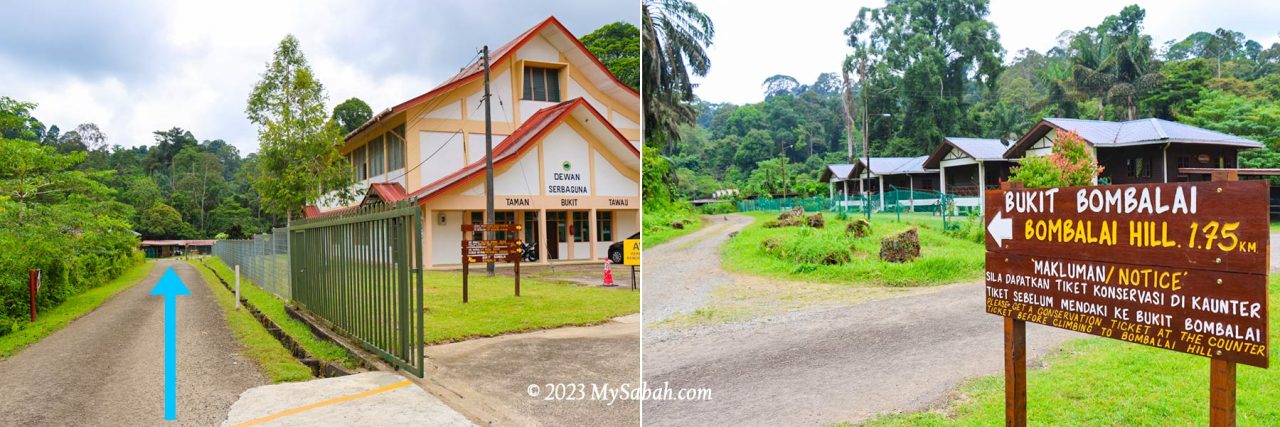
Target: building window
point(375, 157)
point(541, 84)
point(604, 226)
point(1138, 167)
point(581, 226)
point(531, 226)
point(498, 218)
point(395, 149)
point(362, 167)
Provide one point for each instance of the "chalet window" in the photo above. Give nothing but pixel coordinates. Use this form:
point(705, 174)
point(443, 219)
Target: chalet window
point(604, 226)
point(541, 84)
point(395, 149)
point(559, 219)
point(581, 226)
point(1138, 167)
point(362, 168)
point(375, 157)
point(531, 226)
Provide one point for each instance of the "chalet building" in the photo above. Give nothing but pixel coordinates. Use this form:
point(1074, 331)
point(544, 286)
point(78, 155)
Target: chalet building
point(837, 179)
point(1139, 151)
point(168, 248)
point(967, 166)
point(1136, 151)
point(566, 151)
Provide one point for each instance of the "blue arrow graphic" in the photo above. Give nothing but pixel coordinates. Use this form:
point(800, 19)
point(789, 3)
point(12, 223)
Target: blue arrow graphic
point(170, 286)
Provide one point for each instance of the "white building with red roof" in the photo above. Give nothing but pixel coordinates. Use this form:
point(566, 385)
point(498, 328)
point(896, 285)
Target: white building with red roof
point(566, 154)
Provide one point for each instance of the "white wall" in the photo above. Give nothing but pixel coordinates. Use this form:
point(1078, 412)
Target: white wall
point(452, 110)
point(538, 49)
point(576, 90)
point(611, 182)
point(445, 238)
point(521, 179)
point(622, 122)
point(500, 85)
point(562, 144)
point(448, 160)
point(527, 108)
point(582, 250)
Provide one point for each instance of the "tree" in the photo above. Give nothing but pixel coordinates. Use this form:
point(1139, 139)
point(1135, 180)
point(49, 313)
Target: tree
point(298, 159)
point(200, 178)
point(921, 58)
point(779, 84)
point(351, 114)
point(676, 35)
point(16, 121)
point(162, 221)
point(617, 46)
point(142, 192)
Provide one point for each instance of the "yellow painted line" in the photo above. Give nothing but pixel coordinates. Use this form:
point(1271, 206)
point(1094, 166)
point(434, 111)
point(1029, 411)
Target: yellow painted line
point(322, 404)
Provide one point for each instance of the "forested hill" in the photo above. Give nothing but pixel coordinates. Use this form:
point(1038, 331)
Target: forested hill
point(1113, 71)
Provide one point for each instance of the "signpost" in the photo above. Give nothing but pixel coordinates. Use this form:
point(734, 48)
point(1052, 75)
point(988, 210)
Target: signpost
point(34, 285)
point(489, 251)
point(631, 257)
point(1179, 266)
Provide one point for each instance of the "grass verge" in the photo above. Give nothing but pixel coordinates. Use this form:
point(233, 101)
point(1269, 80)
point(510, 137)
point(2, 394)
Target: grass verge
point(1098, 381)
point(944, 259)
point(658, 229)
point(273, 308)
point(50, 321)
point(495, 310)
point(259, 345)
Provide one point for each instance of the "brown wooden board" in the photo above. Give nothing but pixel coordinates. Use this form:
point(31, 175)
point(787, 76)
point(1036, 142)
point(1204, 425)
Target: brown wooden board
point(467, 228)
point(494, 257)
point(1220, 226)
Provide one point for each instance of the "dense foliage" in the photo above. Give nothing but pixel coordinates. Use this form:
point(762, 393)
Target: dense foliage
point(617, 46)
point(937, 69)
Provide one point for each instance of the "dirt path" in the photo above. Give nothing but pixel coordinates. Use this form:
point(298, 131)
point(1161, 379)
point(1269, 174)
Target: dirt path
point(683, 272)
point(493, 380)
point(106, 368)
point(818, 366)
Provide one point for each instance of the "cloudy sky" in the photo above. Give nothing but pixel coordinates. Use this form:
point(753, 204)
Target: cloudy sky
point(134, 67)
point(804, 38)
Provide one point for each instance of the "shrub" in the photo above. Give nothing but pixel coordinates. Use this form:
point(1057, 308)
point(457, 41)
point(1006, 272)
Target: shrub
point(719, 208)
point(816, 221)
point(1071, 164)
point(859, 228)
point(901, 247)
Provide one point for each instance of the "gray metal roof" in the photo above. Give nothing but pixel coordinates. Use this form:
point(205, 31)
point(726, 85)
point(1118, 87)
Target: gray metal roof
point(840, 171)
point(981, 148)
point(884, 165)
point(1147, 131)
point(915, 165)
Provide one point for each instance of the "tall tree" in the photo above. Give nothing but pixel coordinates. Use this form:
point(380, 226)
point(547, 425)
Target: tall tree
point(298, 158)
point(928, 53)
point(352, 113)
point(617, 46)
point(676, 35)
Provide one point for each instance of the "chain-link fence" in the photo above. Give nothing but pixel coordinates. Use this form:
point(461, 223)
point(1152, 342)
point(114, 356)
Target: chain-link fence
point(810, 204)
point(264, 259)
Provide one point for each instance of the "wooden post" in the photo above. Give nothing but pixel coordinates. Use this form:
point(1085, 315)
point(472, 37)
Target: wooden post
point(633, 278)
point(1015, 353)
point(1222, 374)
point(465, 270)
point(1015, 372)
point(517, 268)
point(34, 277)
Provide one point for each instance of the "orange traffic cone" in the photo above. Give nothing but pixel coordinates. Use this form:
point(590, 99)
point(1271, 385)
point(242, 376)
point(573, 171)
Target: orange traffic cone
point(608, 274)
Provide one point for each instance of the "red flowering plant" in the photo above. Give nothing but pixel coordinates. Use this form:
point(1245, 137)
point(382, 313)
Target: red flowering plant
point(1070, 164)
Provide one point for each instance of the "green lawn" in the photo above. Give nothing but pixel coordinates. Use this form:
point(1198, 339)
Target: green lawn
point(273, 307)
point(495, 310)
point(273, 358)
point(943, 259)
point(1098, 381)
point(1275, 227)
point(51, 320)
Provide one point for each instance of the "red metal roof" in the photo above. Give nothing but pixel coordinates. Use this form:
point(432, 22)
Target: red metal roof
point(517, 143)
point(476, 69)
point(388, 192)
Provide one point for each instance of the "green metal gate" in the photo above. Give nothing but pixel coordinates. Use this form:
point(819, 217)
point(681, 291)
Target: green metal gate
point(362, 274)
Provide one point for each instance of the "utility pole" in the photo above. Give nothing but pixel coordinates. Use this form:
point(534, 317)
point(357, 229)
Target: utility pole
point(488, 158)
point(784, 172)
point(866, 146)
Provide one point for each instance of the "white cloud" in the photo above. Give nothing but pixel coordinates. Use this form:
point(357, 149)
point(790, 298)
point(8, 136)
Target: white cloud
point(145, 66)
point(803, 39)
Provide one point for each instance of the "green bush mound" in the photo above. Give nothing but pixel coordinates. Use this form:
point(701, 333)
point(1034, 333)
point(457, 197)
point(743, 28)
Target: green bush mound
point(833, 254)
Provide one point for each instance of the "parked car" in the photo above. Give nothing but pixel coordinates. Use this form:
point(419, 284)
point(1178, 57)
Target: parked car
point(615, 250)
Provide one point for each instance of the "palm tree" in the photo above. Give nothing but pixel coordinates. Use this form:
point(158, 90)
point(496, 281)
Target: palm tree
point(675, 36)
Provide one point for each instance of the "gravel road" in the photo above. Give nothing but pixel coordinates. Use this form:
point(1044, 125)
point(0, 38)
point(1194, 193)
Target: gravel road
point(683, 271)
point(106, 368)
point(820, 366)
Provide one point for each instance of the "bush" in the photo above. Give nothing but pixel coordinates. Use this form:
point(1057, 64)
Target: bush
point(808, 246)
point(1071, 164)
point(969, 228)
point(859, 228)
point(901, 247)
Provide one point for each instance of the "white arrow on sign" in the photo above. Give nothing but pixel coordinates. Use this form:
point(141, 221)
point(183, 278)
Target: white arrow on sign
point(1001, 229)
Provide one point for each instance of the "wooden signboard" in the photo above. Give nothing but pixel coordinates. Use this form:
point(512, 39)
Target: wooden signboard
point(486, 251)
point(1179, 266)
